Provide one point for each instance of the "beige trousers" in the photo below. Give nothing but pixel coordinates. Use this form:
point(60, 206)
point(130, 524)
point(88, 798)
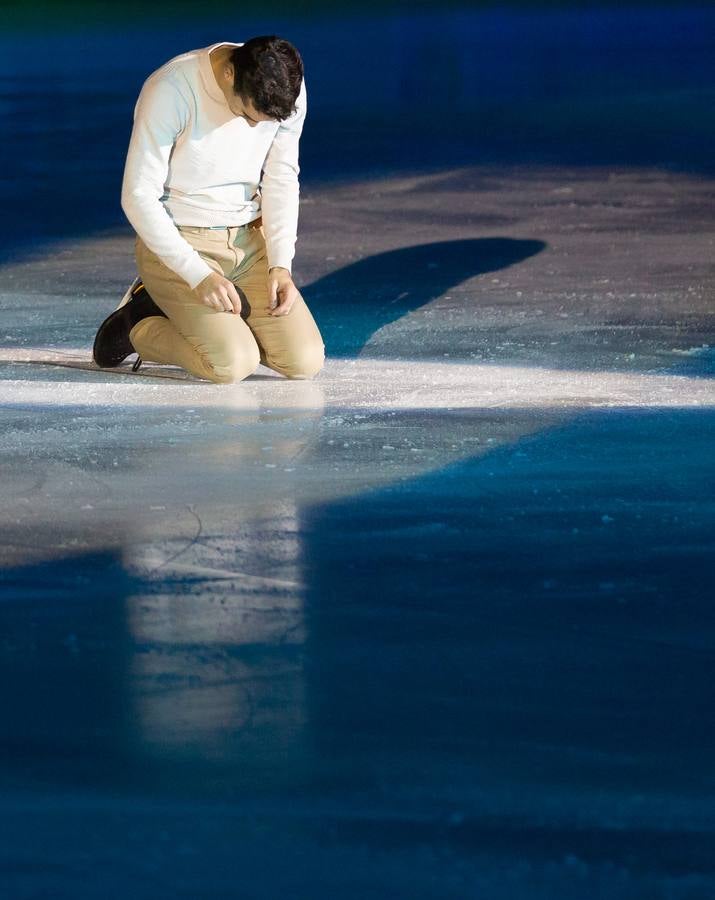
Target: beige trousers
point(221, 346)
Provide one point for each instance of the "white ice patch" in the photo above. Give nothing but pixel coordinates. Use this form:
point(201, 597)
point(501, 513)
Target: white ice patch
point(71, 380)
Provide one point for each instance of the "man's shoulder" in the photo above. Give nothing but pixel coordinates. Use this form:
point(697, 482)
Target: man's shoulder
point(178, 70)
point(175, 84)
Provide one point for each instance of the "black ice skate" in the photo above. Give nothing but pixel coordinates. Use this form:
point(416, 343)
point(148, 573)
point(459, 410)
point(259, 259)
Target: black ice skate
point(112, 344)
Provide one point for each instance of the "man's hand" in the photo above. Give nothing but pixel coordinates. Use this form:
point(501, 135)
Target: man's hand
point(282, 293)
point(219, 293)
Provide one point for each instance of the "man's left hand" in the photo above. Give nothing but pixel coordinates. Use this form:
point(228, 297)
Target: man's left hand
point(282, 293)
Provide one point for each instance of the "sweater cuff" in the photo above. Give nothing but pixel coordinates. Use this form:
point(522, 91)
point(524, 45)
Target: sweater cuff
point(195, 272)
point(281, 255)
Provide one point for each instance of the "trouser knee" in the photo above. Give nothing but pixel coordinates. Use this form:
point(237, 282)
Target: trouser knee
point(236, 370)
point(306, 364)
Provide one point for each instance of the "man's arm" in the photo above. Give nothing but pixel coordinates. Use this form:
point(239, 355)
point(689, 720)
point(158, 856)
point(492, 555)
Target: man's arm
point(161, 113)
point(280, 189)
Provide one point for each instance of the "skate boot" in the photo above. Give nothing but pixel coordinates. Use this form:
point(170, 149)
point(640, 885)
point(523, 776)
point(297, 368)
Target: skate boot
point(112, 344)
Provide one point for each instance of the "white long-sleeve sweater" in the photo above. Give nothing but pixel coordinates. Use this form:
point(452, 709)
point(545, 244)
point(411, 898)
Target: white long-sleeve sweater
point(191, 161)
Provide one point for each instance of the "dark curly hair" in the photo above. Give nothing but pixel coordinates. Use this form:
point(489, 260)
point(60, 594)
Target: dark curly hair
point(268, 71)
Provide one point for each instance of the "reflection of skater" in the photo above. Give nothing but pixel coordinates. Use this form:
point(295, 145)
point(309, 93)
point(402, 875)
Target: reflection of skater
point(211, 188)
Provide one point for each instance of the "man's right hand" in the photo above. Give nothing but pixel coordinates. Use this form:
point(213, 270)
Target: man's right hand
point(219, 293)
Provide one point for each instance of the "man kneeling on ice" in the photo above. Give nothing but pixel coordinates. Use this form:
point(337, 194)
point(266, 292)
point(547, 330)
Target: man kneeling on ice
point(211, 189)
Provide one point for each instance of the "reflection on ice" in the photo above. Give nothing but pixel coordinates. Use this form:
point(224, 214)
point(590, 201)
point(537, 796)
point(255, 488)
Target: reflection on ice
point(243, 588)
point(216, 665)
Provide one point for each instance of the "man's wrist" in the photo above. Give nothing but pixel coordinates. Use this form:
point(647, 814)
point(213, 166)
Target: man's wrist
point(282, 268)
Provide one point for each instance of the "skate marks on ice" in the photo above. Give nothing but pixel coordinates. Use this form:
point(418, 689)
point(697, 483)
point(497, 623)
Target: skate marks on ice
point(82, 361)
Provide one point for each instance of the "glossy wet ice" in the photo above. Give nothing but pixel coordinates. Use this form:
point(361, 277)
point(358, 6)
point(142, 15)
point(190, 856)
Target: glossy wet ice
point(437, 623)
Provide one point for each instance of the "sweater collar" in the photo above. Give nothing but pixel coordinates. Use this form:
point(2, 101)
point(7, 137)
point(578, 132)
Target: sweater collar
point(207, 73)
